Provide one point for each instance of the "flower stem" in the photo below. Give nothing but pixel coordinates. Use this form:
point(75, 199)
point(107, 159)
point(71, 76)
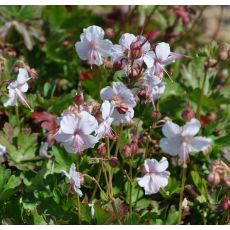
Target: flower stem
point(110, 172)
point(130, 189)
point(17, 117)
point(199, 104)
point(78, 198)
point(118, 140)
point(96, 187)
point(181, 194)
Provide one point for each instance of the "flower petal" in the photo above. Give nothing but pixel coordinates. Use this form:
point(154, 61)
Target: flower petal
point(126, 40)
point(149, 59)
point(12, 100)
point(170, 145)
point(162, 51)
point(69, 124)
point(82, 49)
point(105, 47)
point(171, 129)
point(78, 191)
point(107, 109)
point(191, 128)
point(63, 137)
point(23, 76)
point(87, 123)
point(162, 165)
point(107, 92)
point(89, 141)
point(93, 33)
point(72, 170)
point(198, 144)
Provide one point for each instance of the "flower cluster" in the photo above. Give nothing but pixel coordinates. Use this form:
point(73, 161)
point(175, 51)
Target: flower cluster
point(84, 124)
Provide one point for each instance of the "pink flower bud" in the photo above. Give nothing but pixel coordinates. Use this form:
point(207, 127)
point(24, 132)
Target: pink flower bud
point(227, 181)
point(214, 178)
point(187, 114)
point(136, 50)
point(156, 115)
point(126, 150)
point(101, 149)
point(113, 161)
point(79, 98)
point(109, 32)
point(226, 204)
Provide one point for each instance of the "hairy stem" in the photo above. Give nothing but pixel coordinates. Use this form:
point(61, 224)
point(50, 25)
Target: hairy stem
point(181, 194)
point(17, 117)
point(96, 187)
point(130, 189)
point(78, 198)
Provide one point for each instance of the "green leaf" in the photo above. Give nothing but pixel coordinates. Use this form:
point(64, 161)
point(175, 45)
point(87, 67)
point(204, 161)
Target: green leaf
point(223, 141)
point(172, 216)
point(200, 183)
point(8, 184)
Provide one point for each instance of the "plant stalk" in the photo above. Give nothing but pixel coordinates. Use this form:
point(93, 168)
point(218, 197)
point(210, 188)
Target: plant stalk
point(181, 194)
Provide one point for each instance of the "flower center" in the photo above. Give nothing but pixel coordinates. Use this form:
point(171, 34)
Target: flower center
point(93, 45)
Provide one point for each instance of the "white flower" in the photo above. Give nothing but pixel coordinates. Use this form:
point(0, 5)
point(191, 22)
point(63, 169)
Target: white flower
point(161, 57)
point(104, 128)
point(155, 175)
point(181, 141)
point(2, 150)
point(93, 47)
point(75, 179)
point(123, 51)
point(17, 88)
point(124, 102)
point(153, 83)
point(75, 132)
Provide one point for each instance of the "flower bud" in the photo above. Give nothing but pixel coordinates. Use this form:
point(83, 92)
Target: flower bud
point(136, 50)
point(224, 51)
point(126, 151)
point(227, 181)
point(117, 65)
point(79, 98)
point(81, 178)
point(101, 149)
point(109, 32)
point(214, 178)
point(65, 43)
point(156, 115)
point(226, 204)
point(187, 114)
point(113, 161)
point(145, 95)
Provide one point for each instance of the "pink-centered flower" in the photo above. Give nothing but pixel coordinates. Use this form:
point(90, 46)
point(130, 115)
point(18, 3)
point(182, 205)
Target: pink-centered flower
point(104, 128)
point(153, 84)
point(93, 47)
point(181, 141)
point(155, 177)
point(156, 61)
point(123, 99)
point(76, 130)
point(17, 88)
point(75, 178)
point(130, 47)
